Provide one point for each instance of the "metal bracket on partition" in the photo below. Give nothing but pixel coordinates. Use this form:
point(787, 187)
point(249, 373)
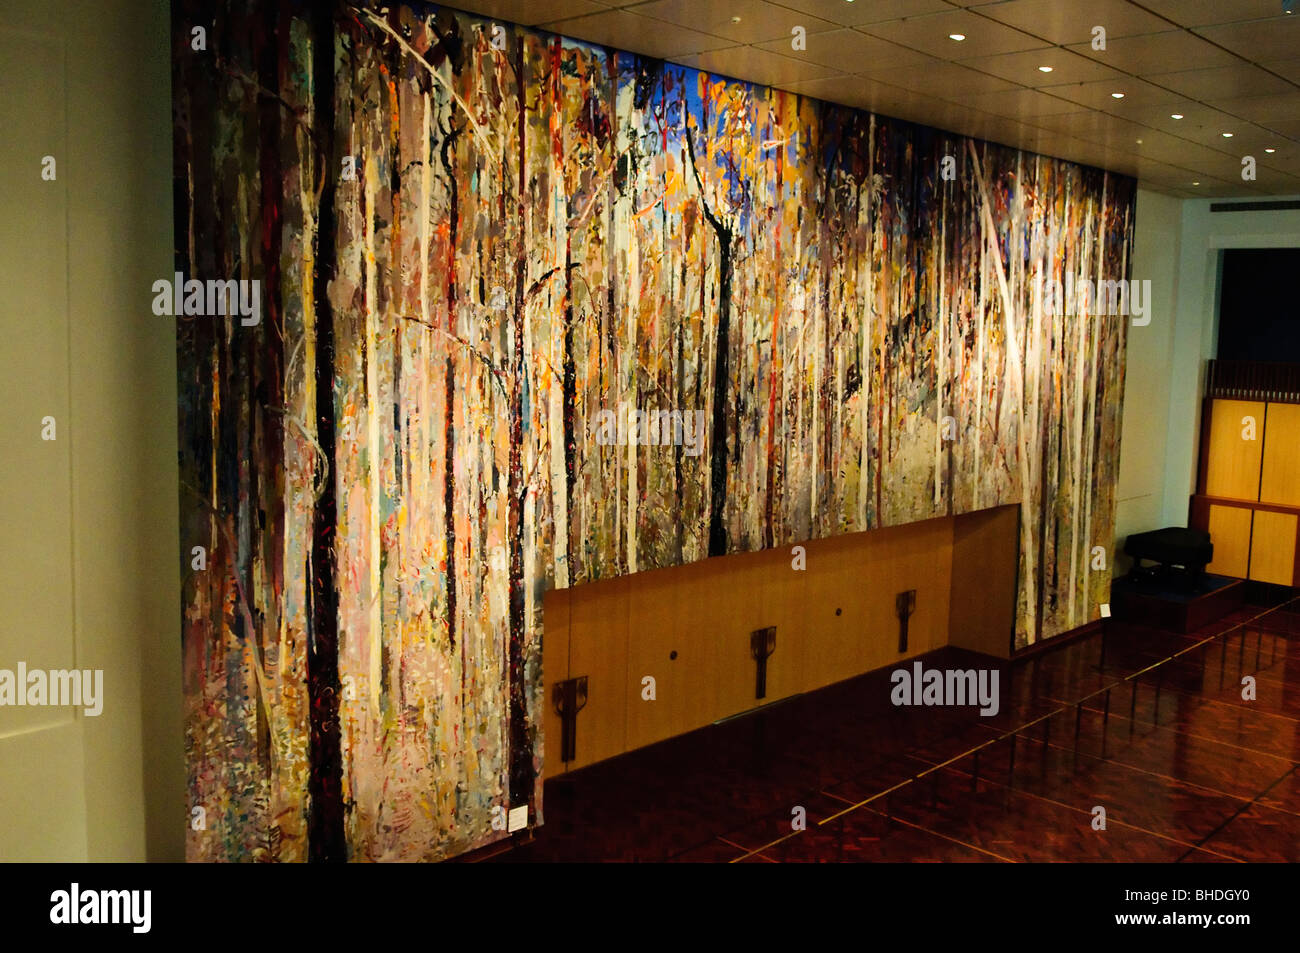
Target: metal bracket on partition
point(762, 643)
point(570, 697)
point(904, 605)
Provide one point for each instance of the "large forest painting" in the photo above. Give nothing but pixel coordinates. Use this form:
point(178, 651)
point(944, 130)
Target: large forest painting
point(471, 239)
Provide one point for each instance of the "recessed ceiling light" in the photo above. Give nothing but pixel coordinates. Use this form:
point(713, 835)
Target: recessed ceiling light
point(1139, 142)
point(1175, 115)
point(1270, 150)
point(957, 36)
point(1227, 135)
point(1044, 69)
point(1196, 183)
point(735, 19)
point(1116, 95)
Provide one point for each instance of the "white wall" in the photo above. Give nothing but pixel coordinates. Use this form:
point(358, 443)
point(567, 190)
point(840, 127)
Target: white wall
point(89, 539)
point(1177, 245)
point(1204, 235)
point(1143, 438)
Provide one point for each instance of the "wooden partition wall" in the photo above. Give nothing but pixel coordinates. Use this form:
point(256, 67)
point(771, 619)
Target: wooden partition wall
point(1248, 493)
point(688, 627)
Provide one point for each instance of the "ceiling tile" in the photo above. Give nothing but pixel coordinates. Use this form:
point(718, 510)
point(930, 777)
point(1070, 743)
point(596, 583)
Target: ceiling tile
point(1122, 164)
point(947, 117)
point(941, 79)
point(1158, 53)
point(628, 31)
point(1072, 22)
point(1152, 170)
point(1229, 169)
point(1290, 128)
point(1258, 40)
point(1094, 127)
point(899, 103)
point(1156, 111)
point(1223, 167)
point(1098, 157)
point(529, 14)
point(1200, 123)
point(1210, 85)
point(865, 11)
point(1113, 154)
point(1023, 67)
point(1289, 68)
point(1022, 104)
point(1206, 186)
point(1287, 185)
point(1007, 132)
point(857, 91)
point(1285, 157)
point(1169, 177)
point(1264, 109)
point(756, 66)
point(1061, 146)
point(1160, 116)
point(1165, 171)
point(852, 51)
point(758, 19)
point(1210, 132)
point(1203, 12)
point(903, 104)
point(1160, 175)
point(1253, 140)
point(930, 34)
point(1055, 145)
point(1285, 181)
point(1159, 145)
point(1100, 95)
point(1189, 155)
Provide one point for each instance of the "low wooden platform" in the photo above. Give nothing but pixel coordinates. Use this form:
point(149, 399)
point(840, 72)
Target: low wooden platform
point(1163, 604)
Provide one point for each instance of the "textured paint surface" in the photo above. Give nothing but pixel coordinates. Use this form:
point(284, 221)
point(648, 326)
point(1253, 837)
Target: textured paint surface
point(392, 466)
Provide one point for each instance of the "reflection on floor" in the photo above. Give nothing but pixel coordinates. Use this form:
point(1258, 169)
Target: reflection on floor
point(1156, 732)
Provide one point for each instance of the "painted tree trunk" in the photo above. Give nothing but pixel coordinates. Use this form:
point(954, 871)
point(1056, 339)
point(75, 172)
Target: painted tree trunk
point(325, 828)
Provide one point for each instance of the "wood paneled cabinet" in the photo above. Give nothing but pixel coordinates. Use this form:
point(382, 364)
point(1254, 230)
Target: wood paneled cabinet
point(1248, 489)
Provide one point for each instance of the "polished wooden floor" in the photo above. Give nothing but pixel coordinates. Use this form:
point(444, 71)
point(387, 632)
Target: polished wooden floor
point(1155, 731)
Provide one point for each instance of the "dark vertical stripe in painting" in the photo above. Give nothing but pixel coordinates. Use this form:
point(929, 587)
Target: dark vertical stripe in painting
point(325, 788)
